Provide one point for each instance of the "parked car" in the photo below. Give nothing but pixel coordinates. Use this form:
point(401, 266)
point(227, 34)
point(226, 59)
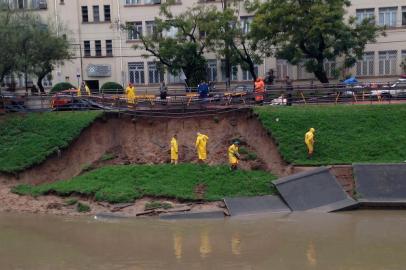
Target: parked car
point(398, 89)
point(68, 100)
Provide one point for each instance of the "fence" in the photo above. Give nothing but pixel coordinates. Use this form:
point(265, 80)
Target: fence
point(188, 99)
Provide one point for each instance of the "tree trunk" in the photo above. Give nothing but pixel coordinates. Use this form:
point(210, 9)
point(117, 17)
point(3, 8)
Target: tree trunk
point(39, 84)
point(252, 70)
point(320, 73)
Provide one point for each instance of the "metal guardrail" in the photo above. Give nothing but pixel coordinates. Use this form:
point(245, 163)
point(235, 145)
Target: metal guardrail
point(179, 98)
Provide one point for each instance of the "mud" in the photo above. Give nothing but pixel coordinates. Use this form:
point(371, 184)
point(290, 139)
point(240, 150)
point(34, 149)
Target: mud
point(146, 141)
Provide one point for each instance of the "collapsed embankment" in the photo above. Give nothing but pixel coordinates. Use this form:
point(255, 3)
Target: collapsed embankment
point(146, 141)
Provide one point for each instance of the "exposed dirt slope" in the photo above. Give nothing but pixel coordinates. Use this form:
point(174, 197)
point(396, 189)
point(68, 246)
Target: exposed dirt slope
point(145, 140)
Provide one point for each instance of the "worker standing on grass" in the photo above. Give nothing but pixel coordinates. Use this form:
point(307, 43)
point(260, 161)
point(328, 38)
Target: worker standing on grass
point(233, 155)
point(309, 141)
point(201, 145)
point(174, 150)
point(130, 92)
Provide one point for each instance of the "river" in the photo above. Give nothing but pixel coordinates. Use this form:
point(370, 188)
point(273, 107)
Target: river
point(358, 240)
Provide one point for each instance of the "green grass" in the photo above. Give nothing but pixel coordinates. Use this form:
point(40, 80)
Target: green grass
point(27, 140)
point(156, 204)
point(344, 134)
point(116, 184)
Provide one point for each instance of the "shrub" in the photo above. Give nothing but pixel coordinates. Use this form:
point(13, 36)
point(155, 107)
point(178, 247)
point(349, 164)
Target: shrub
point(112, 87)
point(61, 86)
point(82, 208)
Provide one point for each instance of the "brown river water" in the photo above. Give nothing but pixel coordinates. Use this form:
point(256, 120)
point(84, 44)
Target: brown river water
point(359, 240)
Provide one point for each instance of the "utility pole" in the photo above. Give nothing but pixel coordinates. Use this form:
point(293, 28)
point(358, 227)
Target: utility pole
point(227, 51)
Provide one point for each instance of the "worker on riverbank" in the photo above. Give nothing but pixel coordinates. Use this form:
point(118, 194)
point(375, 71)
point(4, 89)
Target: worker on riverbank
point(130, 92)
point(233, 155)
point(174, 150)
point(259, 90)
point(309, 141)
point(84, 90)
point(201, 146)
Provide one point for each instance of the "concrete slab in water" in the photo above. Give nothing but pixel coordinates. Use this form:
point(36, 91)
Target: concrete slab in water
point(252, 205)
point(316, 190)
point(381, 184)
point(193, 215)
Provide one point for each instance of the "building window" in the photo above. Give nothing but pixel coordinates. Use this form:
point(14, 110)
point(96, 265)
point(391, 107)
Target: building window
point(109, 48)
point(85, 15)
point(212, 70)
point(154, 74)
point(388, 62)
point(246, 74)
point(96, 14)
point(136, 72)
point(171, 32)
point(132, 2)
point(363, 14)
point(107, 15)
point(136, 30)
point(283, 69)
point(330, 68)
point(150, 27)
point(234, 72)
point(302, 73)
point(365, 67)
point(246, 23)
point(87, 48)
point(180, 78)
point(98, 47)
point(152, 2)
point(387, 16)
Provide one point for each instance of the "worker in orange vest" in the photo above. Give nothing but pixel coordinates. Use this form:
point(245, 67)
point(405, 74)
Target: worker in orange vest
point(259, 90)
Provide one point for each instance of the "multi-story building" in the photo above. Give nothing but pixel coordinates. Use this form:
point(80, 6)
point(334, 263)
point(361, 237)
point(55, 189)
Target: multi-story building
point(104, 52)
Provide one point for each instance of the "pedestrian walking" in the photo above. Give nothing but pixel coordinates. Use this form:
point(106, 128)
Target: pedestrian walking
point(130, 92)
point(309, 141)
point(201, 147)
point(259, 90)
point(233, 155)
point(289, 90)
point(174, 150)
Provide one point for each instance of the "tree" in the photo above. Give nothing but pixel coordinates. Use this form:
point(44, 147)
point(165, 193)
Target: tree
point(9, 43)
point(235, 42)
point(179, 42)
point(311, 32)
point(29, 45)
point(46, 49)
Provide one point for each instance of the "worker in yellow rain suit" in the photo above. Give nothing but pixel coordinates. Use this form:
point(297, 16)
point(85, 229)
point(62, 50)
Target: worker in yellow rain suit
point(233, 155)
point(130, 92)
point(201, 144)
point(309, 141)
point(174, 150)
point(84, 90)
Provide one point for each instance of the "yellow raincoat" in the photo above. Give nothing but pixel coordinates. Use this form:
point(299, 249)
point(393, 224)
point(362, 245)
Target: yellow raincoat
point(174, 149)
point(130, 92)
point(201, 143)
point(87, 89)
point(233, 154)
point(309, 140)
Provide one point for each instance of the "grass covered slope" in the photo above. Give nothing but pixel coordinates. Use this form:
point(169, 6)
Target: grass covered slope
point(116, 184)
point(26, 140)
point(344, 134)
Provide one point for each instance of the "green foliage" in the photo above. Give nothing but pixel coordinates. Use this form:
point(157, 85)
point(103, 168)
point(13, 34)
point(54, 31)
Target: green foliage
point(29, 139)
point(116, 184)
point(82, 207)
point(344, 134)
point(112, 87)
point(71, 201)
point(184, 51)
point(107, 156)
point(28, 44)
point(61, 87)
point(311, 32)
point(252, 156)
point(157, 204)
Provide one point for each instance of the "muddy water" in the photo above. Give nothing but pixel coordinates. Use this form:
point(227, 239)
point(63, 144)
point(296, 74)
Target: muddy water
point(361, 240)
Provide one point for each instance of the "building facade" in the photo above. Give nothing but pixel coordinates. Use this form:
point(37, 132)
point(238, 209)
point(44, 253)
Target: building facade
point(104, 52)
